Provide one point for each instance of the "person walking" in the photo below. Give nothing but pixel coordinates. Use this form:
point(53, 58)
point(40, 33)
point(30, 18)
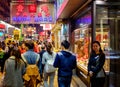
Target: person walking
point(65, 61)
point(30, 56)
point(48, 55)
point(31, 59)
point(41, 66)
point(2, 59)
point(95, 66)
point(13, 70)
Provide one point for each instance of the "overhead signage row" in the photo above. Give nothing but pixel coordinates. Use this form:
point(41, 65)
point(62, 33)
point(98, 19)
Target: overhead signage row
point(32, 13)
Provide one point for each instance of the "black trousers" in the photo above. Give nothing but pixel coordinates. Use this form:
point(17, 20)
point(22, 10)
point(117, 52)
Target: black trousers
point(97, 82)
point(2, 64)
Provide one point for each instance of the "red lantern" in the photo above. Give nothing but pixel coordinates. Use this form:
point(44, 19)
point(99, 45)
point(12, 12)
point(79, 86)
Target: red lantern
point(2, 26)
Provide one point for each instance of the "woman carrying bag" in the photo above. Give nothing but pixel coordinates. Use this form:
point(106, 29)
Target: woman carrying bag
point(95, 66)
point(48, 60)
point(13, 70)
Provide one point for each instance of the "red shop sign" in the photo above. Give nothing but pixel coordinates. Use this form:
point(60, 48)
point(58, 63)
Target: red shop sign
point(2, 26)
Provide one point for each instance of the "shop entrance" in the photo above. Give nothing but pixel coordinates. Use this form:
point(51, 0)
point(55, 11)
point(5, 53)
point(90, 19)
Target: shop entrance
point(107, 33)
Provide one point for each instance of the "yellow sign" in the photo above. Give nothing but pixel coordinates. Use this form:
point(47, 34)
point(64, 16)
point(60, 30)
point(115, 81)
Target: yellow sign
point(16, 34)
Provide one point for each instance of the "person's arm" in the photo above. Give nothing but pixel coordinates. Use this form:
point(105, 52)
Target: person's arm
point(90, 72)
point(23, 67)
point(89, 63)
point(44, 59)
point(100, 64)
point(57, 61)
point(5, 65)
point(75, 63)
point(38, 58)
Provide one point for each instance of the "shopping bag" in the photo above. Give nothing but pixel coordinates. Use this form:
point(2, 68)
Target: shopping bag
point(101, 73)
point(49, 66)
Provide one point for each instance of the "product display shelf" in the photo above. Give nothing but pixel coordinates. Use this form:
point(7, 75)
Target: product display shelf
point(83, 74)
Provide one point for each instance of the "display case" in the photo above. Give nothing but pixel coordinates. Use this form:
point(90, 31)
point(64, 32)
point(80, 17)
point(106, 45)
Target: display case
point(104, 28)
point(82, 46)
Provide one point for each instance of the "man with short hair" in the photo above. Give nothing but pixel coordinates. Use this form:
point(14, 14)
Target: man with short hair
point(31, 58)
point(65, 61)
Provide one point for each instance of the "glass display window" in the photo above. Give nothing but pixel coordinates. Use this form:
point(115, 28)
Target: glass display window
point(82, 44)
point(107, 32)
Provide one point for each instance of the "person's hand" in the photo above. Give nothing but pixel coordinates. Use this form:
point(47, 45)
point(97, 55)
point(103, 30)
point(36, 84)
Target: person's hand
point(90, 73)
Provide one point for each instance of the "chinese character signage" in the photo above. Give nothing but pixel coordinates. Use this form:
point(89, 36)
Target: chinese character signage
point(32, 13)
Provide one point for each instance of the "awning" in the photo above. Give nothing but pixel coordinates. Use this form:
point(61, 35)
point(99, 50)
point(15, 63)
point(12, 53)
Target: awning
point(69, 7)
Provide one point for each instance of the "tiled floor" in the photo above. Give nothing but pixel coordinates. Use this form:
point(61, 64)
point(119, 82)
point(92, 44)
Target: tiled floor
point(55, 82)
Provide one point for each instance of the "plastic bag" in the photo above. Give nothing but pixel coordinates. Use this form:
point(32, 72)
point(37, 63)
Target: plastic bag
point(49, 66)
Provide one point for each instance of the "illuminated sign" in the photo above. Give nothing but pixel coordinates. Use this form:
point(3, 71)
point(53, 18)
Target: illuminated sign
point(1, 34)
point(46, 26)
point(23, 0)
point(32, 8)
point(32, 13)
point(2, 26)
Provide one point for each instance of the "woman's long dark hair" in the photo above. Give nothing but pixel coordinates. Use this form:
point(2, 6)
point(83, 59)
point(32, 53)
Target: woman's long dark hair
point(49, 48)
point(97, 42)
point(17, 55)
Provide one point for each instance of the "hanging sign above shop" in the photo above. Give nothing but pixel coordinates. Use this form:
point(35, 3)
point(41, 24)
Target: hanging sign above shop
point(2, 26)
point(32, 13)
point(23, 0)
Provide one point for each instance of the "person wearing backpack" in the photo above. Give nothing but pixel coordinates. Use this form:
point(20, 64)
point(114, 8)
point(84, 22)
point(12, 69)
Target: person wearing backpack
point(48, 55)
point(32, 71)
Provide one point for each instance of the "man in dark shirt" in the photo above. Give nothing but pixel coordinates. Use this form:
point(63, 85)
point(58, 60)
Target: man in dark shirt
point(65, 61)
point(41, 66)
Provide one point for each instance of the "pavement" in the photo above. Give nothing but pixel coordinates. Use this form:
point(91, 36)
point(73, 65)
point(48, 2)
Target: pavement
point(76, 82)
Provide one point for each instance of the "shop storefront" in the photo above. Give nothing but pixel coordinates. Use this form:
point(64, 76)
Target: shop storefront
point(64, 32)
point(56, 36)
point(99, 21)
point(82, 43)
point(107, 31)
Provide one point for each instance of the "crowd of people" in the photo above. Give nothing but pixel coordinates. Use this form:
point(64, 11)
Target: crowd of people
point(15, 57)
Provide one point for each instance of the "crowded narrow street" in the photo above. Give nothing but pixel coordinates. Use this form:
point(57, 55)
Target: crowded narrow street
point(73, 43)
point(73, 84)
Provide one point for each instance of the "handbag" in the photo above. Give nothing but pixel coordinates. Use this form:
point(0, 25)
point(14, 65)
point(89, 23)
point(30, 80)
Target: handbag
point(101, 73)
point(49, 66)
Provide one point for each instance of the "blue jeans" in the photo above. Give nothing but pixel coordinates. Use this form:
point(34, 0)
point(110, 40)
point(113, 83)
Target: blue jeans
point(64, 81)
